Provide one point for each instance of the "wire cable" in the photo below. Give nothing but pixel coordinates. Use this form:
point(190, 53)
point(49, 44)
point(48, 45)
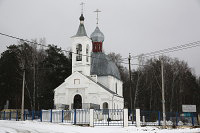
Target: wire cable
point(169, 50)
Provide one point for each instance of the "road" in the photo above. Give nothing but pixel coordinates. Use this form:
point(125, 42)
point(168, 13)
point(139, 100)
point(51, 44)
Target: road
point(46, 127)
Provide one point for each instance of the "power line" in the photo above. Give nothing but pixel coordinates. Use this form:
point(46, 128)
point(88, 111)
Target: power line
point(14, 37)
point(169, 50)
point(150, 54)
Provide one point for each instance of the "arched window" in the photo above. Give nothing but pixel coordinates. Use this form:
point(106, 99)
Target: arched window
point(105, 108)
point(87, 53)
point(79, 52)
point(105, 105)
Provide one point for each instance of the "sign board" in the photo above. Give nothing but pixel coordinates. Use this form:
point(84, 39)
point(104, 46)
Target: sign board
point(189, 108)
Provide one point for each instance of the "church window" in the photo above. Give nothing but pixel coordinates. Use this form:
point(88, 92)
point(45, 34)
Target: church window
point(76, 81)
point(105, 105)
point(87, 53)
point(79, 52)
point(105, 108)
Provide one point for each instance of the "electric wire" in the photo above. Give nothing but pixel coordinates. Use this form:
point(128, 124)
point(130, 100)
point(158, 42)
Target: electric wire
point(10, 36)
point(169, 50)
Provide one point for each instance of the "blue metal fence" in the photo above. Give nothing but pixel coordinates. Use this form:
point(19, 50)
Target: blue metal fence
point(103, 117)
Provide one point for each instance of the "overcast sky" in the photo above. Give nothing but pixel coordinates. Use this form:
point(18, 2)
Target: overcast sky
point(129, 26)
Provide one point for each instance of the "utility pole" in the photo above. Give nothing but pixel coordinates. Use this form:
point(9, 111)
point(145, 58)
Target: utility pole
point(22, 109)
point(163, 94)
point(131, 99)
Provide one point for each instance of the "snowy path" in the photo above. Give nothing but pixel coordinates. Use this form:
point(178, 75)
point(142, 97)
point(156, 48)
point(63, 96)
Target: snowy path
point(42, 127)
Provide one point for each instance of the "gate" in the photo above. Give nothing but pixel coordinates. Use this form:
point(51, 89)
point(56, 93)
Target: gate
point(109, 117)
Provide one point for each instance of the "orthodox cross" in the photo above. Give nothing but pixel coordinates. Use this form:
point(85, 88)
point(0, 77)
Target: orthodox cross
point(82, 7)
point(97, 11)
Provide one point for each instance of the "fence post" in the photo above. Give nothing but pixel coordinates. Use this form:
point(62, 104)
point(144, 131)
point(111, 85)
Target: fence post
point(10, 114)
point(192, 119)
point(74, 116)
point(137, 117)
point(16, 115)
point(159, 118)
point(33, 114)
point(24, 115)
point(4, 115)
point(51, 115)
point(91, 117)
point(176, 118)
point(108, 117)
point(41, 115)
point(125, 117)
point(62, 115)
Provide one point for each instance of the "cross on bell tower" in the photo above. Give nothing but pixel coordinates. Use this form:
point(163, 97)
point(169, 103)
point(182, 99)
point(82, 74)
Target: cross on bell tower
point(82, 7)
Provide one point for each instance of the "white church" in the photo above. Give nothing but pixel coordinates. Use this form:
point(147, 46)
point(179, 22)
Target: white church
point(95, 82)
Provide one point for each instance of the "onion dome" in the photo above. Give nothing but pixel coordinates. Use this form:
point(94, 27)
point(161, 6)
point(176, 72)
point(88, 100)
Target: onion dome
point(97, 35)
point(81, 18)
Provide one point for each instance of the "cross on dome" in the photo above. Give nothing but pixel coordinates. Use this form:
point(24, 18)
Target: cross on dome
point(97, 11)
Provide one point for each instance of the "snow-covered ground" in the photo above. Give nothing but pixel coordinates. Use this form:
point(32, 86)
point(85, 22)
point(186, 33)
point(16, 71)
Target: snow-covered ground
point(42, 127)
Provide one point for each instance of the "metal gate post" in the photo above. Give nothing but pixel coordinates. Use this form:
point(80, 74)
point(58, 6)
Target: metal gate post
point(17, 115)
point(74, 116)
point(62, 115)
point(108, 118)
point(51, 116)
point(10, 114)
point(192, 119)
point(24, 115)
point(4, 115)
point(159, 118)
point(33, 114)
point(41, 115)
point(176, 118)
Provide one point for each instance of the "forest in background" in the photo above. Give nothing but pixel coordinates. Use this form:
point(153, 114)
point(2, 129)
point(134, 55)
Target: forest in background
point(47, 68)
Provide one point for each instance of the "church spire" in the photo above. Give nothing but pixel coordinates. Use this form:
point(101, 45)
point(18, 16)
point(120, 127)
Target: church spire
point(81, 30)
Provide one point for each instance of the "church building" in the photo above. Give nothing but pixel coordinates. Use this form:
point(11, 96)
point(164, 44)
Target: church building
point(95, 81)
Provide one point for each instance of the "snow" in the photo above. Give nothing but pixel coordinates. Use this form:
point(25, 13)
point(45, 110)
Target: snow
point(46, 127)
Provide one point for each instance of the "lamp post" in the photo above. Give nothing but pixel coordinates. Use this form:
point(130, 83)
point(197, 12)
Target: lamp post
point(22, 109)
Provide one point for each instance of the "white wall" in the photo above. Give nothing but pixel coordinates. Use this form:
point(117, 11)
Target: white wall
point(89, 91)
point(110, 82)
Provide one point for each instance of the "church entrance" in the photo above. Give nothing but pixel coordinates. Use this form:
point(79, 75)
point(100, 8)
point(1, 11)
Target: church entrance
point(77, 102)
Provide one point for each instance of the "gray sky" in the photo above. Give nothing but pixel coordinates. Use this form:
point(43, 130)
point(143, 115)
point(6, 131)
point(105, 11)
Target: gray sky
point(135, 26)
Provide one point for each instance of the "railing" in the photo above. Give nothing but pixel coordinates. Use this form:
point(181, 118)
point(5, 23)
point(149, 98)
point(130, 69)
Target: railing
point(103, 117)
point(78, 116)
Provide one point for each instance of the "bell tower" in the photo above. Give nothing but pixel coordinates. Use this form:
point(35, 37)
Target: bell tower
point(81, 49)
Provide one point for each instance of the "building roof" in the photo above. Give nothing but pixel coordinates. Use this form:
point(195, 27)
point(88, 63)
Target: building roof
point(102, 65)
point(81, 29)
point(97, 35)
